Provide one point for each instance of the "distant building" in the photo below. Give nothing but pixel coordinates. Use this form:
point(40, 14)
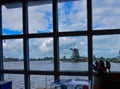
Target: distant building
point(118, 57)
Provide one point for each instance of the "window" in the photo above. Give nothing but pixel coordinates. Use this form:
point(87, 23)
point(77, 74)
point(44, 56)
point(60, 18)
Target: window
point(13, 53)
point(40, 18)
point(73, 53)
point(17, 80)
point(41, 54)
point(41, 81)
point(72, 15)
point(107, 48)
point(12, 20)
point(106, 14)
point(45, 40)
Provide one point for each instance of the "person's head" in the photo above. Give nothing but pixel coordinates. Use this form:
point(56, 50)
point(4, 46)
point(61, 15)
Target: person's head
point(97, 63)
point(102, 63)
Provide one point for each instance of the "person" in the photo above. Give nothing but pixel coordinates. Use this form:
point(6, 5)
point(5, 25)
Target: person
point(96, 66)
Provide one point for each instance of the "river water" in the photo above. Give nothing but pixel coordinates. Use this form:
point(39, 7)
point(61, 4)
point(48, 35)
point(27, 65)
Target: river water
point(45, 80)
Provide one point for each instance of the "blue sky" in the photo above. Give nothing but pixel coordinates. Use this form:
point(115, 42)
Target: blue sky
point(72, 16)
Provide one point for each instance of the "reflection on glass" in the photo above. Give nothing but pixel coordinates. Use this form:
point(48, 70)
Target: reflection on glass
point(106, 14)
point(41, 53)
point(40, 17)
point(13, 53)
point(72, 15)
point(17, 80)
point(12, 20)
point(41, 81)
point(73, 53)
point(107, 48)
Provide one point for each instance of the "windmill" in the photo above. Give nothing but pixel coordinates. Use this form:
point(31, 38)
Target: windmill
point(75, 53)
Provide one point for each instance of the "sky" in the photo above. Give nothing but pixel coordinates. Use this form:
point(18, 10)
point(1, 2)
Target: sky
point(72, 16)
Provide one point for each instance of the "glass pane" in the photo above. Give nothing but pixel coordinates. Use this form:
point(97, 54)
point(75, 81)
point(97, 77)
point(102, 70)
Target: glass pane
point(73, 53)
point(12, 19)
point(41, 81)
point(41, 53)
point(13, 53)
point(106, 14)
point(17, 80)
point(72, 15)
point(107, 48)
point(40, 17)
point(75, 82)
point(74, 77)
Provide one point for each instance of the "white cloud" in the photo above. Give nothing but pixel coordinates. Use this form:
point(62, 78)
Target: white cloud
point(37, 17)
point(114, 51)
point(13, 48)
point(12, 18)
point(103, 15)
point(41, 47)
point(44, 47)
point(75, 19)
point(82, 43)
point(107, 46)
point(106, 14)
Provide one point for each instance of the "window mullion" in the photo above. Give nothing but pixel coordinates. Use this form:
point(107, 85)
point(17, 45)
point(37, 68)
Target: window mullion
point(56, 39)
point(26, 45)
point(90, 48)
point(1, 47)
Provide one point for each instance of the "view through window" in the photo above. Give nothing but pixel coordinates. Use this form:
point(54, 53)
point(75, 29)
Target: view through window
point(42, 41)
